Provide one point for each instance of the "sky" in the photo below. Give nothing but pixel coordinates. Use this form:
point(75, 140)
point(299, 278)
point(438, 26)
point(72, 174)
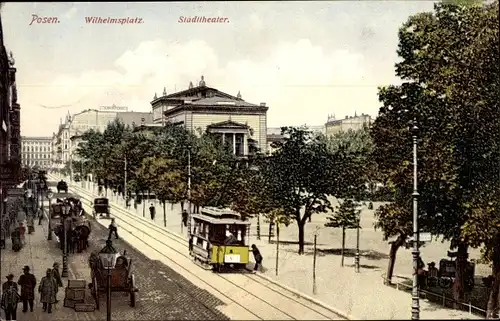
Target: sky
point(305, 60)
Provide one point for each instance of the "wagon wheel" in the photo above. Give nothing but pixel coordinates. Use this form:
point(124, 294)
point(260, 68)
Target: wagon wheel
point(95, 292)
point(132, 290)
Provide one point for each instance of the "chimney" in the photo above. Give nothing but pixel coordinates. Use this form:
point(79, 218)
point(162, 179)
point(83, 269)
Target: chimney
point(262, 104)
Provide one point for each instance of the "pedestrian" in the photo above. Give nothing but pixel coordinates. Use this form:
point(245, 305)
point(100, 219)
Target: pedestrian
point(22, 231)
point(27, 282)
point(113, 229)
point(257, 256)
point(57, 276)
point(30, 222)
point(127, 202)
point(10, 298)
point(152, 211)
point(48, 291)
point(184, 217)
point(3, 235)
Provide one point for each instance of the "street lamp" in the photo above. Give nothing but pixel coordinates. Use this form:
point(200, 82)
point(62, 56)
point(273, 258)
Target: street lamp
point(108, 256)
point(415, 296)
point(189, 191)
point(65, 210)
point(49, 196)
point(358, 223)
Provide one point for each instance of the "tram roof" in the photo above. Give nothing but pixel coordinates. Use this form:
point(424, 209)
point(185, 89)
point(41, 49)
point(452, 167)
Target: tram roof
point(219, 221)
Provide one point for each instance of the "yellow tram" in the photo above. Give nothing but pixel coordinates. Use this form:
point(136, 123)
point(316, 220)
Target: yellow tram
point(219, 239)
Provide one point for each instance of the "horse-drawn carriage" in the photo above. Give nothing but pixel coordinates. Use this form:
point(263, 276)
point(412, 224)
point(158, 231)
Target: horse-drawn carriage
point(78, 228)
point(101, 207)
point(122, 279)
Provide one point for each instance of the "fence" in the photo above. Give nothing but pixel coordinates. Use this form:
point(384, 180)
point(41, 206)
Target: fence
point(441, 297)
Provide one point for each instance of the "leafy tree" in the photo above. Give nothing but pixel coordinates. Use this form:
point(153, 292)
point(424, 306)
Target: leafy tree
point(300, 176)
point(345, 216)
point(450, 66)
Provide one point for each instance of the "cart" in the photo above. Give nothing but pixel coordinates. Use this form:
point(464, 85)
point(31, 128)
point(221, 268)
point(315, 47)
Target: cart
point(122, 280)
point(62, 186)
point(101, 206)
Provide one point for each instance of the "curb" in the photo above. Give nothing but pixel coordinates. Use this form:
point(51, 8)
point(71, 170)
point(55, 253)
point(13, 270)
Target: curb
point(307, 297)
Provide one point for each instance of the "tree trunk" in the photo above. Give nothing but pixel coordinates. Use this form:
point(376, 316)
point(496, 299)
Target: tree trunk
point(258, 226)
point(392, 258)
point(143, 208)
point(301, 237)
point(343, 247)
point(493, 307)
point(458, 285)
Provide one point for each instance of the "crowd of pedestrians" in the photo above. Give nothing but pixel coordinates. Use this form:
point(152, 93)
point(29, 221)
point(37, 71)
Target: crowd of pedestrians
point(23, 291)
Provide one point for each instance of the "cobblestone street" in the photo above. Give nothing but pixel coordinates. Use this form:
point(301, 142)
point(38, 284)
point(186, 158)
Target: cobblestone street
point(163, 294)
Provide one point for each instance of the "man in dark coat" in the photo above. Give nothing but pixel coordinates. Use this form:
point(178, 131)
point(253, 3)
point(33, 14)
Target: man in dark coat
point(10, 298)
point(27, 282)
point(257, 256)
point(152, 211)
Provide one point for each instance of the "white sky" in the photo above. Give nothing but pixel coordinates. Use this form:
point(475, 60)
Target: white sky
point(306, 60)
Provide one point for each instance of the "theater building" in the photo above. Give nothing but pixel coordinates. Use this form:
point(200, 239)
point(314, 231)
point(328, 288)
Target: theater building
point(239, 124)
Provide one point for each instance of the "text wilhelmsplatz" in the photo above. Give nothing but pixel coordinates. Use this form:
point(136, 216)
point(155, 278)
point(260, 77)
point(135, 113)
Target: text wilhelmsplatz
point(109, 20)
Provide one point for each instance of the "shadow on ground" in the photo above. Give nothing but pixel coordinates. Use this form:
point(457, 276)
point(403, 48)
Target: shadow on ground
point(366, 266)
point(367, 254)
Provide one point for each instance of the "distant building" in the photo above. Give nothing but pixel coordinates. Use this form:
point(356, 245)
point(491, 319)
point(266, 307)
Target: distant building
point(355, 122)
point(237, 123)
point(274, 135)
point(36, 151)
point(68, 136)
point(10, 126)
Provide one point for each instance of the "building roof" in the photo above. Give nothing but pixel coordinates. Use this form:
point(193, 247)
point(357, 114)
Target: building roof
point(25, 138)
point(228, 124)
point(203, 97)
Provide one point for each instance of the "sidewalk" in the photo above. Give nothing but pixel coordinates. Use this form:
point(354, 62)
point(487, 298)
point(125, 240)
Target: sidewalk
point(361, 295)
point(39, 254)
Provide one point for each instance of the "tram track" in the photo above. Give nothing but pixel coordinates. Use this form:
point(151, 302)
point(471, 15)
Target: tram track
point(275, 299)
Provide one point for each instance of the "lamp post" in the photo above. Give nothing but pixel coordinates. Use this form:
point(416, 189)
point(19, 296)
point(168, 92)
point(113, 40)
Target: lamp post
point(49, 196)
point(356, 257)
point(415, 296)
point(189, 191)
point(108, 256)
point(65, 209)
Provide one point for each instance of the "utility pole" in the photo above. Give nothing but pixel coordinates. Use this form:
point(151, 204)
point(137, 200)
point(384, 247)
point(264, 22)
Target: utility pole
point(277, 246)
point(189, 191)
point(125, 179)
point(314, 264)
point(415, 306)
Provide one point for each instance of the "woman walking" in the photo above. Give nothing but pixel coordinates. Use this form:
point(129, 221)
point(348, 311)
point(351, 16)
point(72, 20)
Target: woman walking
point(48, 291)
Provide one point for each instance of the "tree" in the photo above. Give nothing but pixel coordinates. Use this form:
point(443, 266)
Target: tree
point(299, 177)
point(345, 216)
point(450, 66)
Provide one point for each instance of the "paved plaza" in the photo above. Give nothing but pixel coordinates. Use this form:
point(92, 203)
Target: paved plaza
point(163, 294)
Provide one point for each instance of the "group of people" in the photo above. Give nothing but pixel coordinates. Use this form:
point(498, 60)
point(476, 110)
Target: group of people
point(16, 230)
point(48, 288)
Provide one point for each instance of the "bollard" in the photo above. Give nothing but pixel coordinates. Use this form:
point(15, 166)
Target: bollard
point(470, 308)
